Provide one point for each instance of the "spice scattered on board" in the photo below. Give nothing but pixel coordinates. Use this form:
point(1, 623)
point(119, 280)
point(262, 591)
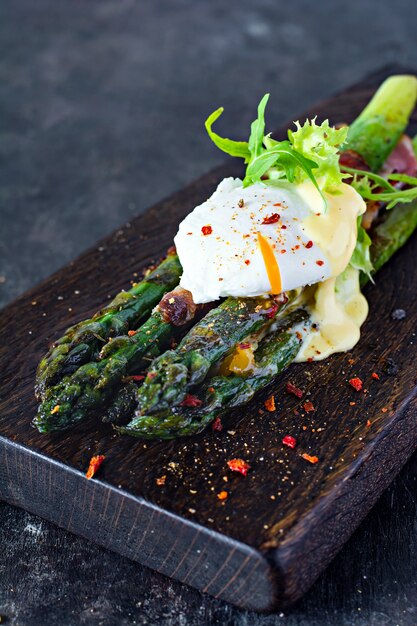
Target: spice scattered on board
point(217, 424)
point(293, 390)
point(161, 480)
point(289, 441)
point(222, 495)
point(95, 463)
point(310, 459)
point(356, 383)
point(269, 404)
point(239, 465)
point(308, 406)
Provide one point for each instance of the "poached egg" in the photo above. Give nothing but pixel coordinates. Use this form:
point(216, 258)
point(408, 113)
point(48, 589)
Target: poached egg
point(265, 239)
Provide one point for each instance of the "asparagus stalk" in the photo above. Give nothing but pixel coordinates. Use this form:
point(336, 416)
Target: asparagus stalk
point(81, 343)
point(377, 130)
point(275, 353)
point(173, 373)
point(93, 383)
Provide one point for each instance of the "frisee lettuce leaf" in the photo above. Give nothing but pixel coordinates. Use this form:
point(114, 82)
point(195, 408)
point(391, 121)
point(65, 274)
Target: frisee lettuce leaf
point(320, 143)
point(374, 187)
point(361, 257)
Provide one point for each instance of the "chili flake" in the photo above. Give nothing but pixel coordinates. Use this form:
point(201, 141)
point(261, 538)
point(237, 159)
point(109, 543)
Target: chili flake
point(310, 459)
point(95, 463)
point(375, 375)
point(239, 465)
point(131, 333)
point(55, 409)
point(247, 262)
point(161, 480)
point(356, 383)
point(269, 404)
point(308, 406)
point(368, 423)
point(217, 424)
point(309, 244)
point(289, 441)
point(271, 219)
point(319, 263)
point(207, 230)
point(191, 401)
point(137, 377)
point(293, 390)
point(222, 495)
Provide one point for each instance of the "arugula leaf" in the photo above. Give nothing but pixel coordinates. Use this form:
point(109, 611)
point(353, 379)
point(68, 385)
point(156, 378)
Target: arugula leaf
point(361, 257)
point(258, 129)
point(374, 187)
point(234, 148)
point(321, 143)
point(282, 156)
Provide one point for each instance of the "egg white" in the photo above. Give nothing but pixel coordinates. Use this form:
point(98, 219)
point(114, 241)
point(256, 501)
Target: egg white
point(218, 242)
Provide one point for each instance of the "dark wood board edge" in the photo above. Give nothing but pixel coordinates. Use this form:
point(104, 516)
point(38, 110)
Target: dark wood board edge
point(338, 514)
point(198, 556)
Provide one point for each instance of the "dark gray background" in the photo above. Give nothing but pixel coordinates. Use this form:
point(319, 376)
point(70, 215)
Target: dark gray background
point(101, 111)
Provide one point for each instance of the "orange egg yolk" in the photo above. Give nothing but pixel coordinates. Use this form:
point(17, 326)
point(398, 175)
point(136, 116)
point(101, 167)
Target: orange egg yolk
point(271, 264)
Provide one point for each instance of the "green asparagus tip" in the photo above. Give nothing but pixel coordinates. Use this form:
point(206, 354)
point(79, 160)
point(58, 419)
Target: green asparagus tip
point(377, 130)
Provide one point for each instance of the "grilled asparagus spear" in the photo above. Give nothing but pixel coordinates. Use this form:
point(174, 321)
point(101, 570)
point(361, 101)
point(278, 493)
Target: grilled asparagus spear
point(81, 343)
point(377, 130)
point(173, 373)
point(275, 352)
point(93, 383)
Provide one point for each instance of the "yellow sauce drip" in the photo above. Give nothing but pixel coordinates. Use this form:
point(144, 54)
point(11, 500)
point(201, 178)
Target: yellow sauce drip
point(334, 230)
point(271, 264)
point(338, 309)
point(241, 361)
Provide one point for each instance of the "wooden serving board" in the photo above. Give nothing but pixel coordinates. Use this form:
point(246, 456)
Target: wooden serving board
point(281, 525)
